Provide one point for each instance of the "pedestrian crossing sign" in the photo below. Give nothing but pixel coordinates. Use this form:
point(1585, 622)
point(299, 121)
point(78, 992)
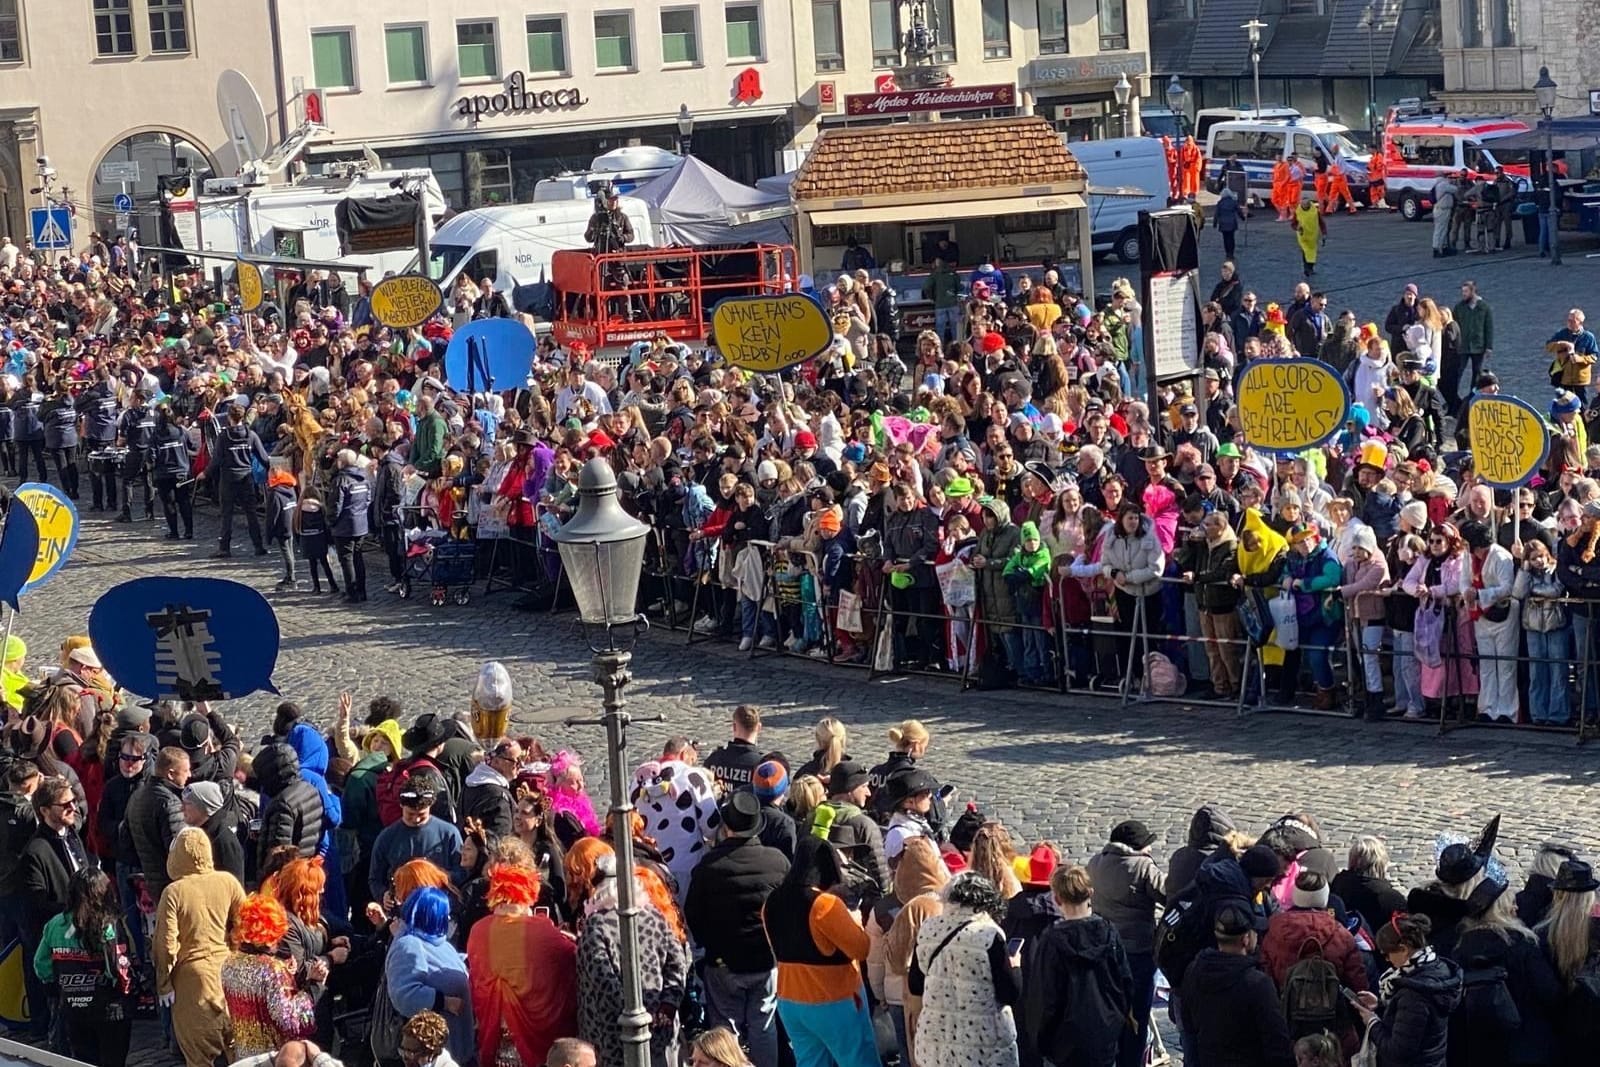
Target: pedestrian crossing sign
point(52, 229)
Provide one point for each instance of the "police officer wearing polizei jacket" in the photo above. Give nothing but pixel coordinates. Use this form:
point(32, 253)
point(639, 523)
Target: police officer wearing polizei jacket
point(99, 407)
point(172, 460)
point(352, 496)
point(60, 417)
point(134, 431)
point(236, 447)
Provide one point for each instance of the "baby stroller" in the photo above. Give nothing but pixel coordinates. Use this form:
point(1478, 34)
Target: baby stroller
point(444, 563)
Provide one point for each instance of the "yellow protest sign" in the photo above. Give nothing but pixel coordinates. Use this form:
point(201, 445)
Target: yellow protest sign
point(1289, 405)
point(58, 528)
point(405, 300)
point(251, 291)
point(1508, 438)
point(768, 333)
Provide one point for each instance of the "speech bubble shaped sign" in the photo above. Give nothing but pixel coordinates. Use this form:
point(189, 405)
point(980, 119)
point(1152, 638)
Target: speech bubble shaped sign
point(405, 300)
point(186, 638)
point(768, 333)
point(1508, 438)
point(19, 547)
point(507, 344)
point(1290, 405)
point(57, 519)
point(251, 291)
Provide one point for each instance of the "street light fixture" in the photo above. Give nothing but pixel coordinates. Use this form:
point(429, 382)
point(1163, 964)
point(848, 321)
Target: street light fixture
point(1176, 95)
point(1544, 91)
point(1253, 30)
point(685, 128)
point(1371, 24)
point(602, 553)
point(1122, 91)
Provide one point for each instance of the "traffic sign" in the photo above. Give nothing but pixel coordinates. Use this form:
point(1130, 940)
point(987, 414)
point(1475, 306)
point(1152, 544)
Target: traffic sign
point(52, 228)
point(113, 172)
point(123, 202)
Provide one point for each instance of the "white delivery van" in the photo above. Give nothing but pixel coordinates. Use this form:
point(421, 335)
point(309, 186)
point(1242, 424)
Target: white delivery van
point(1127, 175)
point(1260, 144)
point(1208, 117)
point(298, 220)
point(624, 169)
point(514, 243)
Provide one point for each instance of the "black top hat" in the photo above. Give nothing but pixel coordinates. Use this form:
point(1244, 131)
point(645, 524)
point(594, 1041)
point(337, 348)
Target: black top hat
point(1458, 862)
point(429, 730)
point(742, 816)
point(1575, 876)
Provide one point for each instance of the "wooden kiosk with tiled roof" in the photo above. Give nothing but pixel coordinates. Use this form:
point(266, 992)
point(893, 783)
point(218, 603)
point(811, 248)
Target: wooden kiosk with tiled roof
point(890, 183)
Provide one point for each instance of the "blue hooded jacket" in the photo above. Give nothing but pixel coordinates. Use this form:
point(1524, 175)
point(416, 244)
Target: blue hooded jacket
point(312, 750)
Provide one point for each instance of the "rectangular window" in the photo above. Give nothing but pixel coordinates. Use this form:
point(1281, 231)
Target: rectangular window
point(10, 32)
point(1053, 27)
point(333, 59)
point(547, 46)
point(679, 40)
point(113, 27)
point(1113, 25)
point(943, 13)
point(406, 48)
point(1505, 23)
point(827, 34)
point(744, 31)
point(1472, 22)
point(169, 26)
point(996, 29)
point(613, 41)
point(477, 55)
point(885, 33)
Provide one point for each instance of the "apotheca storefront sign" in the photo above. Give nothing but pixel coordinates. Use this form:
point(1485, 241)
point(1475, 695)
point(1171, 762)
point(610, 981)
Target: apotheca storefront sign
point(517, 99)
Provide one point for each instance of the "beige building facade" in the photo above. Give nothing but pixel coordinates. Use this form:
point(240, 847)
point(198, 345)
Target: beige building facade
point(131, 82)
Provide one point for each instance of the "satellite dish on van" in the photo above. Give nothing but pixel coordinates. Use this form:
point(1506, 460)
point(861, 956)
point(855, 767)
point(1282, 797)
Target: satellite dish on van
point(635, 157)
point(242, 115)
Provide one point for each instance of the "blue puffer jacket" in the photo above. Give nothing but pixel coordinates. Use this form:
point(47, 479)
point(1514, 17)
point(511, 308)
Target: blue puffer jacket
point(313, 753)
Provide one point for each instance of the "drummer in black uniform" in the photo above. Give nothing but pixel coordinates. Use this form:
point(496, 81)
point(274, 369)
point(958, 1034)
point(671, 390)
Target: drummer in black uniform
point(172, 462)
point(59, 413)
point(99, 407)
point(134, 431)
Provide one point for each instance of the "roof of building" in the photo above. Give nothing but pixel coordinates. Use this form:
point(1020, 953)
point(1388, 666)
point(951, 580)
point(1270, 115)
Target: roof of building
point(1170, 40)
point(1296, 44)
point(934, 157)
point(1417, 44)
point(1219, 45)
point(1346, 51)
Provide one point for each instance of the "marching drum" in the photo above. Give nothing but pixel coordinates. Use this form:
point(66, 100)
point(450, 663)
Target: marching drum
point(107, 460)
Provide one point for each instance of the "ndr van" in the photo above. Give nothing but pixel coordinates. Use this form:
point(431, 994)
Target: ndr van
point(1260, 144)
point(1127, 175)
point(514, 243)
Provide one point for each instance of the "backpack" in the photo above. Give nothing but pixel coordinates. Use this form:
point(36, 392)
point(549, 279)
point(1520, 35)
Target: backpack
point(392, 781)
point(1311, 998)
point(859, 883)
point(1180, 936)
point(1487, 1012)
point(1161, 678)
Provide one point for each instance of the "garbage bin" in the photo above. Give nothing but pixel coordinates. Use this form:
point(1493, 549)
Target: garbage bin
point(1528, 211)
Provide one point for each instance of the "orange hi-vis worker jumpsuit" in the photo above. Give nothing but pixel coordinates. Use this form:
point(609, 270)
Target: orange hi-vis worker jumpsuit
point(1376, 172)
point(1190, 162)
point(1337, 186)
point(1284, 197)
point(1172, 166)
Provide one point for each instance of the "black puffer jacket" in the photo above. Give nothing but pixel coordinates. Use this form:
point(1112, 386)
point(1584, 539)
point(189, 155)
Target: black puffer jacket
point(1414, 1029)
point(727, 890)
point(1077, 992)
point(1530, 978)
point(1231, 1007)
point(1374, 899)
point(153, 819)
point(293, 814)
point(1445, 912)
point(1208, 831)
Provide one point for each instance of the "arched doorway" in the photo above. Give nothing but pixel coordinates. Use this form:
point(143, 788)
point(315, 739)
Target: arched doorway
point(153, 154)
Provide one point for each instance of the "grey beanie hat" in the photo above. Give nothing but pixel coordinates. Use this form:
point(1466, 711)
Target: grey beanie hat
point(207, 796)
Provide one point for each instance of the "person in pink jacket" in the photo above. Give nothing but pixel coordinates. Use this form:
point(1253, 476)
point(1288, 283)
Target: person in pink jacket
point(1365, 572)
point(1435, 579)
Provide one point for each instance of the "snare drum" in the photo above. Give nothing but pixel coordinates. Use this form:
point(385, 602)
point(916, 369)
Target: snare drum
point(107, 460)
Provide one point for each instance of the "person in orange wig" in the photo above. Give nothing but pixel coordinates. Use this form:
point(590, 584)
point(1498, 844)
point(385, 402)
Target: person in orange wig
point(524, 974)
point(264, 999)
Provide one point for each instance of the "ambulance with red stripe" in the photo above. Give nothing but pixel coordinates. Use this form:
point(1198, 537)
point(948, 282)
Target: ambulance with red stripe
point(1421, 144)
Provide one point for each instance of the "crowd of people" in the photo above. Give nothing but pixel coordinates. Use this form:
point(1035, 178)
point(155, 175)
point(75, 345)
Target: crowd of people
point(997, 502)
point(439, 890)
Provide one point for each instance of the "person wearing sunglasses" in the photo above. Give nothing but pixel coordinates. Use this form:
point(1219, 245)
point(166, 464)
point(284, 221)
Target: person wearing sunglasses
point(49, 860)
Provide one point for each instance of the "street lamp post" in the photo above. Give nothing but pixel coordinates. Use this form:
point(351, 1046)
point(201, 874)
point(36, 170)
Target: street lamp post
point(602, 553)
point(1122, 91)
point(1372, 72)
point(1253, 30)
point(685, 128)
point(1176, 94)
point(1544, 91)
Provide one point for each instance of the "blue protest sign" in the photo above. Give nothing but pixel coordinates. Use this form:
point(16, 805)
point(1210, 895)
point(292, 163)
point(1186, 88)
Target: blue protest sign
point(19, 547)
point(186, 638)
point(504, 348)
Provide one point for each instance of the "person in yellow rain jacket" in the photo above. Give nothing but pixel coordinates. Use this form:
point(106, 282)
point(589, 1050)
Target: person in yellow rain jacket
point(13, 676)
point(1310, 230)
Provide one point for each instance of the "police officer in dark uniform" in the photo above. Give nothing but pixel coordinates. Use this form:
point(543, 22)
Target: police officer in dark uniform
point(99, 407)
point(172, 460)
point(352, 498)
point(133, 431)
point(237, 445)
point(60, 417)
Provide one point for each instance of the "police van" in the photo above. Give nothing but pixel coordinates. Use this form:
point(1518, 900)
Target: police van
point(1259, 144)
